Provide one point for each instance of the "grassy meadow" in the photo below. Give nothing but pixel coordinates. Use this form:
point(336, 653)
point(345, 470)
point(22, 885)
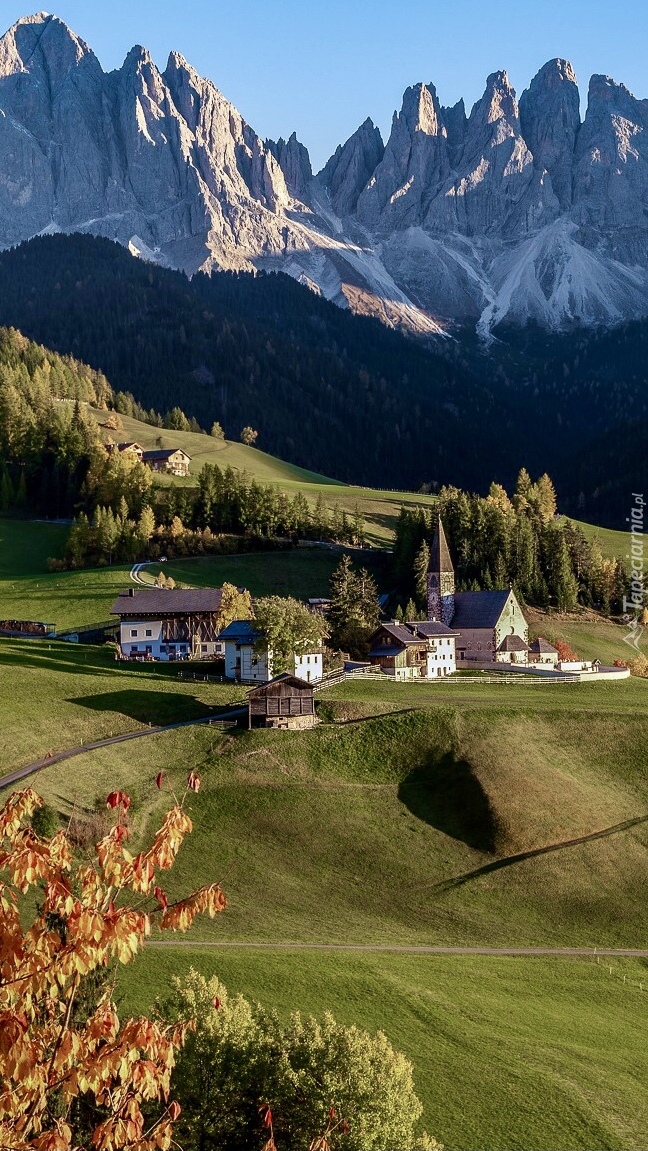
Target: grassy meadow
point(414, 814)
point(509, 1054)
point(418, 816)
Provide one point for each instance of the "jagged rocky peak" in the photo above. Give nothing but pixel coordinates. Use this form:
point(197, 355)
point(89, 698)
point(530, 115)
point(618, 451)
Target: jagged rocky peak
point(414, 166)
point(41, 38)
point(611, 158)
point(455, 121)
point(550, 120)
point(294, 161)
point(349, 169)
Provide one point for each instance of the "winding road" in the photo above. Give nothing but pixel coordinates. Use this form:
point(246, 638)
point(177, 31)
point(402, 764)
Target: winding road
point(32, 768)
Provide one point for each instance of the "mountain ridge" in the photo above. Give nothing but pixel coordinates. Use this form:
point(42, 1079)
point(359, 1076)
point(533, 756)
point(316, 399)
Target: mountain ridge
point(516, 211)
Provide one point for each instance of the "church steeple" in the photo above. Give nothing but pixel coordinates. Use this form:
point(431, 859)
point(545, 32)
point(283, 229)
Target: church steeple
point(441, 579)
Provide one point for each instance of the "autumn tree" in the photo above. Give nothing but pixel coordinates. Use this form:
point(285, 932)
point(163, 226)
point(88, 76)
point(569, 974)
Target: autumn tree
point(249, 436)
point(236, 603)
point(59, 1047)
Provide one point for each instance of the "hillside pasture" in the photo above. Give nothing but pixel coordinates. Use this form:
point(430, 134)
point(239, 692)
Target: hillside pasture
point(509, 1054)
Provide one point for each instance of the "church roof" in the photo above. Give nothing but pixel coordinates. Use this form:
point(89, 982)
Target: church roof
point(512, 643)
point(439, 552)
point(475, 609)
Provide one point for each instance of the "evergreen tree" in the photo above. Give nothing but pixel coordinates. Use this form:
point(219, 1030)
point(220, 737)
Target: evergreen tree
point(421, 565)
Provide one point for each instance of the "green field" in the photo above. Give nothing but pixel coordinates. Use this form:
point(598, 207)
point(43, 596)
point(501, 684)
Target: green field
point(74, 599)
point(509, 1054)
point(381, 508)
point(400, 821)
point(415, 814)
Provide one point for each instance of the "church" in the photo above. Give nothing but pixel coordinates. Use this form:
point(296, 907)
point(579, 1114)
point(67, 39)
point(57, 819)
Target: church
point(490, 624)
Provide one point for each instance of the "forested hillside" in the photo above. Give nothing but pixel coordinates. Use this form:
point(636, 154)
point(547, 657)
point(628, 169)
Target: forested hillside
point(46, 447)
point(338, 393)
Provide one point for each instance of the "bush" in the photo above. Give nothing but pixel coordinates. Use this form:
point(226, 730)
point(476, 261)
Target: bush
point(45, 821)
point(241, 1059)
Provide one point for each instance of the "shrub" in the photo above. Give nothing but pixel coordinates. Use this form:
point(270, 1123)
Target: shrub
point(314, 1078)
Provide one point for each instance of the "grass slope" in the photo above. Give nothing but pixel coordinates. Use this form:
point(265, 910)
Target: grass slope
point(55, 695)
point(381, 508)
point(402, 822)
point(509, 1054)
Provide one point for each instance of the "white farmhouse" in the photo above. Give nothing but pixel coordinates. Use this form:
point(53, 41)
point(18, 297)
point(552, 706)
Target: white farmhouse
point(247, 660)
point(169, 623)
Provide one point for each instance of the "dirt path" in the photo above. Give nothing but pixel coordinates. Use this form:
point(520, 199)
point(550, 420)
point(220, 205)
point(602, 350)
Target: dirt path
point(413, 949)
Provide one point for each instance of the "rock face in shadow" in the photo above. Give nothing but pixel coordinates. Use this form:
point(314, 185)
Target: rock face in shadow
point(508, 214)
point(446, 794)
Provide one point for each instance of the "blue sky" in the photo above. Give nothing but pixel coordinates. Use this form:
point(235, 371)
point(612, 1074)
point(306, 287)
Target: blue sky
point(321, 67)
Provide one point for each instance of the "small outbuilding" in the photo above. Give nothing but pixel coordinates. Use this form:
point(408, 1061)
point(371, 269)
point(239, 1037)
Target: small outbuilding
point(286, 702)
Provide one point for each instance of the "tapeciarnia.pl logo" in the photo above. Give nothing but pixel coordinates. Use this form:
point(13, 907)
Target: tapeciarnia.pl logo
point(635, 602)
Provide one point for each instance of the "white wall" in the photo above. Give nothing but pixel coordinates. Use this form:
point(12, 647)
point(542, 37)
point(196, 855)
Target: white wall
point(441, 659)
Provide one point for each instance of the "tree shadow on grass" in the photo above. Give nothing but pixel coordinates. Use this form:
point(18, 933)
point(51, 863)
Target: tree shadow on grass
point(445, 793)
point(155, 707)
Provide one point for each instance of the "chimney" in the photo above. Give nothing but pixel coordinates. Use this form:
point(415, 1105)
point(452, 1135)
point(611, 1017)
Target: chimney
point(131, 591)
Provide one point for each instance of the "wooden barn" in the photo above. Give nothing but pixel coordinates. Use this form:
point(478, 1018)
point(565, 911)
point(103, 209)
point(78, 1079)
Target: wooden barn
point(286, 702)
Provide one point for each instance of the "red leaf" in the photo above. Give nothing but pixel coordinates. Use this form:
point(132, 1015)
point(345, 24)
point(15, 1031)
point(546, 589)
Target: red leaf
point(266, 1114)
point(216, 1002)
point(193, 781)
point(345, 1128)
point(118, 799)
point(158, 779)
point(174, 1110)
point(160, 895)
point(332, 1113)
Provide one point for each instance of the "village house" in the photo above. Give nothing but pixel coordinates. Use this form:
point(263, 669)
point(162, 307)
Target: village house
point(491, 624)
point(286, 702)
point(423, 650)
point(543, 652)
point(173, 461)
point(133, 449)
point(247, 660)
point(169, 623)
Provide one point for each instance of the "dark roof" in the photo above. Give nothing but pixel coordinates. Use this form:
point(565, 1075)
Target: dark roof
point(129, 444)
point(475, 609)
point(163, 453)
point(175, 601)
point(243, 630)
point(430, 627)
point(285, 677)
point(399, 632)
point(541, 646)
point(439, 552)
point(512, 643)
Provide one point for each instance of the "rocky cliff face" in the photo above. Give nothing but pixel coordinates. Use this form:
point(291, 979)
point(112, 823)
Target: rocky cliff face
point(509, 213)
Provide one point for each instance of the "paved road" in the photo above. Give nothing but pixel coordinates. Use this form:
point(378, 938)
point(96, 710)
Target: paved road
point(69, 753)
point(136, 573)
point(413, 949)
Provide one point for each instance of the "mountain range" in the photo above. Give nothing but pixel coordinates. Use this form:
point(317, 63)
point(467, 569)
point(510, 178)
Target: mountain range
point(517, 211)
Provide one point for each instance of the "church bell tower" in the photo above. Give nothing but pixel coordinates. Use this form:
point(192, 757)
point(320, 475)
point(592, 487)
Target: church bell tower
point(440, 580)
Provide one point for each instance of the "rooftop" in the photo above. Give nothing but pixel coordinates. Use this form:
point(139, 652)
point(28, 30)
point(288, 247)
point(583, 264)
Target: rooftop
point(242, 630)
point(475, 609)
point(167, 601)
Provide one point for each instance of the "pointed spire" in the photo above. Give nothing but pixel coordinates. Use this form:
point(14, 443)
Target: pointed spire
point(439, 552)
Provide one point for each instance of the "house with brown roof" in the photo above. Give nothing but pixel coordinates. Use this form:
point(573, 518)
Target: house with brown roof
point(169, 623)
point(424, 650)
point(130, 448)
